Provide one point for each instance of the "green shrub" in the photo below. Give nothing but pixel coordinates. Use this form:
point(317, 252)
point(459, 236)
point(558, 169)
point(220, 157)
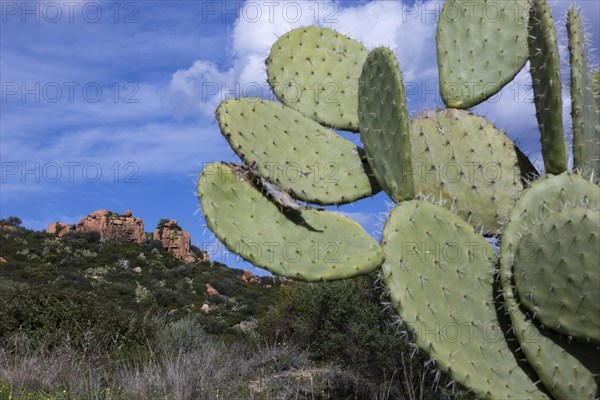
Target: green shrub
point(81, 240)
point(11, 221)
point(151, 244)
point(339, 322)
point(52, 317)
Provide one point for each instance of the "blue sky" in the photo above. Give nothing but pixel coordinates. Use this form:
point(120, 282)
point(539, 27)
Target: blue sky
point(110, 105)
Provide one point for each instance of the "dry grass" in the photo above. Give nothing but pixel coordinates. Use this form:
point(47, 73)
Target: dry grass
point(184, 363)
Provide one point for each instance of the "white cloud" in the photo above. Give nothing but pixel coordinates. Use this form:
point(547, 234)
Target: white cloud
point(204, 86)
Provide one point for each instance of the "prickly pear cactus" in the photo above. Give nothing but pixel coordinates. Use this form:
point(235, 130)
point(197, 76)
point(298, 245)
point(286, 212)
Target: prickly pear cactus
point(557, 272)
point(547, 88)
point(479, 53)
point(300, 243)
point(462, 160)
point(383, 122)
point(585, 116)
point(568, 368)
point(440, 274)
point(520, 324)
point(314, 70)
point(334, 172)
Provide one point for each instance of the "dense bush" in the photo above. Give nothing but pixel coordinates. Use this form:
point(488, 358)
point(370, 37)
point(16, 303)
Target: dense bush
point(341, 322)
point(11, 221)
point(151, 244)
point(81, 240)
point(54, 317)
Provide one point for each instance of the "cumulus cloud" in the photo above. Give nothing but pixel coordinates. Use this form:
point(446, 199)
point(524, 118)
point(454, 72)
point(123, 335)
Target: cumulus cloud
point(203, 85)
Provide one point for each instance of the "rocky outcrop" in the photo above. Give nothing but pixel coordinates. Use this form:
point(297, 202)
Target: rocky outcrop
point(126, 228)
point(117, 227)
point(60, 229)
point(211, 290)
point(249, 277)
point(177, 241)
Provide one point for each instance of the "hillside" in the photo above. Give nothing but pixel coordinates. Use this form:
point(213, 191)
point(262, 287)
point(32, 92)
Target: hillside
point(136, 278)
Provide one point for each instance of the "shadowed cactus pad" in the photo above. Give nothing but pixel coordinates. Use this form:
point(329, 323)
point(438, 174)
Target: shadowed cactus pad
point(557, 272)
point(547, 88)
point(296, 153)
point(383, 123)
point(315, 70)
point(464, 160)
point(566, 367)
point(303, 243)
point(481, 46)
point(440, 274)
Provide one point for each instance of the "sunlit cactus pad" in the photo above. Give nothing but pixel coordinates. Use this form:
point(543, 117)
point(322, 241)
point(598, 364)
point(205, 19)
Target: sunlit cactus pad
point(465, 161)
point(315, 70)
point(303, 243)
point(440, 274)
point(481, 46)
point(296, 153)
point(383, 123)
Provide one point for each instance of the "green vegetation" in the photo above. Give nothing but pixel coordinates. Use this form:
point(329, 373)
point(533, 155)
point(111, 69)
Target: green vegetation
point(80, 321)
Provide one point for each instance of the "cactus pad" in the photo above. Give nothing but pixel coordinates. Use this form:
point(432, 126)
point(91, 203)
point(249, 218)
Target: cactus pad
point(296, 153)
point(565, 367)
point(557, 273)
point(383, 123)
point(440, 274)
point(481, 46)
point(463, 159)
point(315, 70)
point(586, 119)
point(547, 89)
point(305, 243)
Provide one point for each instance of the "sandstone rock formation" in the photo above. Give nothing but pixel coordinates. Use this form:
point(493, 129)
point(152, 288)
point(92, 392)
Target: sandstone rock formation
point(116, 227)
point(176, 241)
point(249, 277)
point(60, 229)
point(126, 228)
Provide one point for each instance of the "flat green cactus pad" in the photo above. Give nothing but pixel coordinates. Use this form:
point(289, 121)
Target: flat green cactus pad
point(440, 274)
point(303, 243)
point(464, 160)
point(383, 123)
point(547, 88)
point(296, 153)
point(557, 272)
point(481, 46)
point(315, 70)
point(565, 367)
point(585, 117)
